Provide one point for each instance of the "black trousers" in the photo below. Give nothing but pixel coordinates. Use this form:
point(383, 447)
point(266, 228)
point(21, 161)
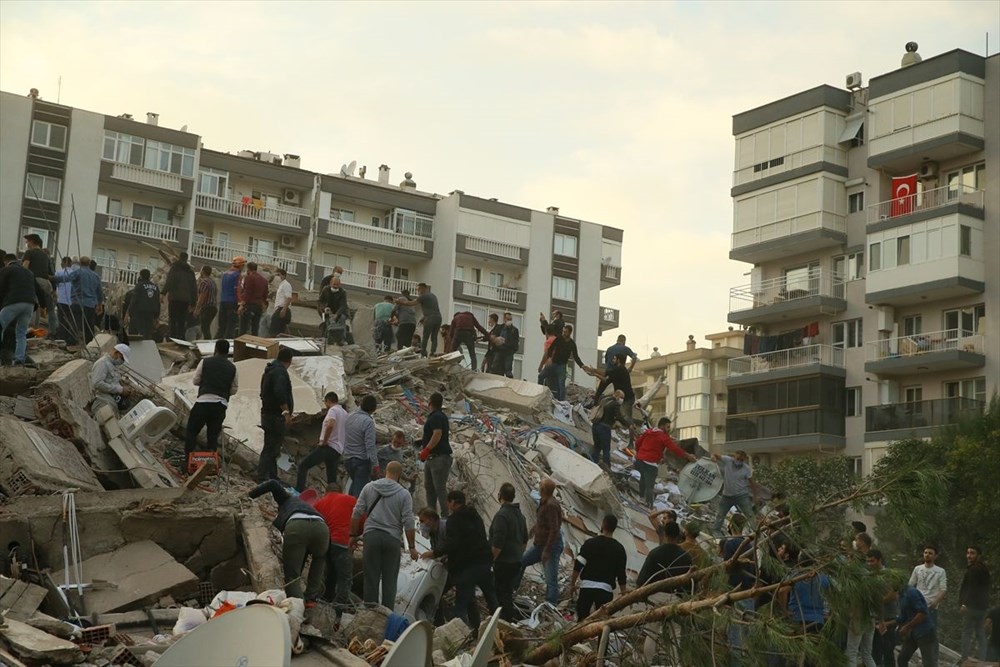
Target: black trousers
point(432, 325)
point(471, 577)
point(250, 319)
point(227, 321)
point(590, 599)
point(404, 334)
point(204, 414)
point(503, 363)
point(328, 456)
point(506, 575)
point(274, 435)
point(205, 320)
point(466, 337)
point(85, 321)
point(177, 314)
point(278, 323)
point(141, 325)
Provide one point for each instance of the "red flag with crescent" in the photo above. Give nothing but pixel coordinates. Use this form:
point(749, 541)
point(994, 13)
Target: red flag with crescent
point(904, 195)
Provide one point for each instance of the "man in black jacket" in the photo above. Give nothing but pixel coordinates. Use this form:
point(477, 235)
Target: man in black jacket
point(470, 563)
point(142, 307)
point(503, 356)
point(216, 380)
point(563, 349)
point(508, 539)
point(20, 295)
point(181, 292)
point(600, 563)
point(974, 600)
point(304, 533)
point(276, 407)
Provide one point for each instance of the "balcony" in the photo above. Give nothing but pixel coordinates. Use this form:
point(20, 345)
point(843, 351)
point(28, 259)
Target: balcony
point(918, 419)
point(222, 252)
point(503, 296)
point(608, 319)
point(934, 203)
point(611, 275)
point(952, 349)
point(137, 227)
point(812, 294)
point(146, 178)
point(111, 271)
point(289, 218)
point(808, 156)
point(805, 360)
point(368, 282)
point(491, 249)
point(378, 237)
point(793, 236)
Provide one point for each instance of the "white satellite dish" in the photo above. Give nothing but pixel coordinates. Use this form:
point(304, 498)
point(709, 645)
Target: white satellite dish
point(348, 169)
point(254, 636)
point(416, 641)
point(484, 649)
point(700, 480)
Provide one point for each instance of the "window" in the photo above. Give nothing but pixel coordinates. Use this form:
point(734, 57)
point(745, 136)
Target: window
point(849, 267)
point(902, 250)
point(48, 135)
point(913, 394)
point(414, 224)
point(166, 157)
point(563, 288)
point(963, 321)
point(692, 402)
point(856, 202)
point(222, 239)
point(123, 148)
point(974, 388)
point(965, 240)
point(913, 325)
point(495, 279)
point(693, 371)
point(565, 245)
point(213, 182)
point(109, 205)
point(847, 334)
point(262, 246)
point(151, 213)
point(332, 259)
point(44, 188)
point(855, 466)
point(802, 280)
point(397, 272)
point(699, 432)
point(875, 257)
point(852, 402)
point(344, 214)
point(966, 179)
point(376, 221)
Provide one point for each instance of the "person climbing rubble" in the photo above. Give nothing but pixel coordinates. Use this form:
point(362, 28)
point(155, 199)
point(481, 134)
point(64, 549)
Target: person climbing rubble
point(547, 546)
point(330, 446)
point(106, 378)
point(649, 447)
point(217, 381)
point(360, 454)
point(599, 565)
point(276, 406)
point(508, 540)
point(436, 455)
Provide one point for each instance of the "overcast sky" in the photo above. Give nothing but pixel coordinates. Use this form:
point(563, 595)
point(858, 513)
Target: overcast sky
point(617, 113)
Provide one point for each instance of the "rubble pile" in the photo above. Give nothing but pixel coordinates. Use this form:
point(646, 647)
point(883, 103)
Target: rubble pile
point(113, 550)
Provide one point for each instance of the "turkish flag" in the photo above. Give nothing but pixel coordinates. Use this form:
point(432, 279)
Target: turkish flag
point(904, 195)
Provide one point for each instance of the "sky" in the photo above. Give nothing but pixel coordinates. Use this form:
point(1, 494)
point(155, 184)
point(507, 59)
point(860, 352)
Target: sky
point(617, 113)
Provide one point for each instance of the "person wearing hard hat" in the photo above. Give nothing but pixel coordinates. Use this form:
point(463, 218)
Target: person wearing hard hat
point(106, 378)
point(227, 298)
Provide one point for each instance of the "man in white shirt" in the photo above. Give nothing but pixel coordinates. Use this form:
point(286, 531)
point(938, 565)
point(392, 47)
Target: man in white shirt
point(932, 582)
point(217, 381)
point(282, 314)
point(330, 445)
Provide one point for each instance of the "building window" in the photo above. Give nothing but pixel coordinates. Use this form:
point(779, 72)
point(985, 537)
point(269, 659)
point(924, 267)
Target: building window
point(856, 202)
point(852, 403)
point(44, 188)
point(913, 325)
point(564, 245)
point(966, 179)
point(974, 388)
point(913, 394)
point(902, 250)
point(343, 214)
point(692, 402)
point(396, 272)
point(563, 288)
point(213, 182)
point(332, 259)
point(849, 267)
point(965, 240)
point(875, 257)
point(151, 213)
point(694, 371)
point(855, 465)
point(847, 334)
point(172, 159)
point(123, 148)
point(48, 135)
point(963, 321)
point(263, 247)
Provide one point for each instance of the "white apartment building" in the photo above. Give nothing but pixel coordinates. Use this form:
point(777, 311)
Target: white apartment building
point(869, 318)
point(115, 188)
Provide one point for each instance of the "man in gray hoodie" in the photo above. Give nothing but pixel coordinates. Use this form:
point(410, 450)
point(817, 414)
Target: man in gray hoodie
point(389, 508)
point(508, 539)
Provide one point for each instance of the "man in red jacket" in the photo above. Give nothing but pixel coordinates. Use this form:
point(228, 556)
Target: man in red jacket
point(649, 454)
point(337, 507)
point(252, 297)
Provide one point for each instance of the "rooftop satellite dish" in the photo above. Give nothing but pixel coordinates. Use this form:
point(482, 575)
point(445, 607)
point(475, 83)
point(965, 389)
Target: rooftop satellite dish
point(184, 128)
point(700, 480)
point(254, 636)
point(348, 169)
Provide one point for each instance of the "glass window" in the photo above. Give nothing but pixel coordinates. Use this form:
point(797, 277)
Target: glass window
point(902, 250)
point(852, 404)
point(564, 245)
point(692, 402)
point(855, 202)
point(48, 135)
point(913, 394)
point(802, 279)
point(692, 371)
point(346, 215)
point(563, 288)
point(847, 334)
point(875, 257)
point(913, 325)
point(44, 188)
point(162, 156)
point(965, 240)
point(966, 179)
point(974, 388)
point(849, 267)
point(151, 213)
point(963, 321)
point(413, 223)
point(123, 148)
point(213, 182)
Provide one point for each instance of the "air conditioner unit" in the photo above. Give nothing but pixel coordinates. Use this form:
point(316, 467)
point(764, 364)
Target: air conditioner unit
point(929, 170)
point(179, 210)
point(291, 197)
point(853, 81)
point(287, 241)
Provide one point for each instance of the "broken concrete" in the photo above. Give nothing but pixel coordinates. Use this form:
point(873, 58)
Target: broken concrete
point(142, 573)
point(264, 564)
point(35, 645)
point(502, 392)
point(20, 599)
point(33, 460)
point(72, 381)
point(450, 637)
point(368, 623)
point(145, 469)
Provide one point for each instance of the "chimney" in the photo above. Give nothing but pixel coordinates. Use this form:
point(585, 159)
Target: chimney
point(362, 171)
point(554, 210)
point(408, 181)
point(690, 343)
point(292, 160)
point(152, 118)
point(383, 174)
point(911, 57)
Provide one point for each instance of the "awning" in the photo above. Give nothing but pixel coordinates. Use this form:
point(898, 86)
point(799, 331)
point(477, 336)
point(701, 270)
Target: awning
point(852, 128)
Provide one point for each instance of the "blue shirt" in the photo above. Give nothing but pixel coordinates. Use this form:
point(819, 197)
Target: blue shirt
point(64, 291)
point(805, 602)
point(911, 603)
point(618, 348)
point(230, 279)
point(437, 420)
point(743, 575)
point(87, 288)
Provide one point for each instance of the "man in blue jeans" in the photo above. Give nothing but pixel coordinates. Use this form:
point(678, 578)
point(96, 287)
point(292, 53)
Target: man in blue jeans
point(738, 484)
point(19, 296)
point(547, 545)
point(563, 349)
point(360, 454)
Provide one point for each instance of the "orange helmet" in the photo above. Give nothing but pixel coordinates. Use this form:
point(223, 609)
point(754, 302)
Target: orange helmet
point(239, 260)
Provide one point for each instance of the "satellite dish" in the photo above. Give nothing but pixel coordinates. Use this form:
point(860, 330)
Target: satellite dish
point(254, 636)
point(484, 649)
point(413, 648)
point(700, 480)
point(348, 169)
point(184, 128)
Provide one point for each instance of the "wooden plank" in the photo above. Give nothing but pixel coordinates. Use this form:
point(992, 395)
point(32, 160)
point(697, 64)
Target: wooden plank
point(22, 599)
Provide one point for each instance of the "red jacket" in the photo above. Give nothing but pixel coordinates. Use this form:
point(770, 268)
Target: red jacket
point(650, 445)
point(337, 508)
point(252, 289)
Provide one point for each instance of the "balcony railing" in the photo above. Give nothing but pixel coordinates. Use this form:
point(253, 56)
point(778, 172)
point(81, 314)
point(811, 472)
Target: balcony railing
point(376, 236)
point(611, 272)
point(143, 176)
point(924, 343)
point(252, 209)
point(927, 200)
point(609, 316)
point(806, 355)
point(223, 251)
point(786, 288)
point(375, 282)
point(502, 294)
point(491, 247)
point(114, 272)
point(785, 228)
point(791, 161)
point(920, 414)
point(144, 228)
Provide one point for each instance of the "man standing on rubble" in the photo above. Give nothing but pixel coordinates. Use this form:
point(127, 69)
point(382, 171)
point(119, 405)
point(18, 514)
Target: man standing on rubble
point(64, 302)
point(508, 539)
point(503, 363)
point(600, 563)
point(87, 295)
point(282, 314)
point(20, 295)
point(557, 322)
point(667, 560)
point(36, 260)
point(431, 313)
point(181, 293)
point(227, 298)
point(330, 445)
point(554, 372)
point(462, 331)
point(106, 377)
point(619, 348)
point(142, 310)
point(406, 318)
point(217, 381)
point(276, 406)
point(489, 359)
point(618, 376)
point(205, 308)
point(547, 537)
point(649, 448)
point(603, 417)
point(360, 454)
point(382, 326)
point(738, 485)
point(335, 311)
point(252, 298)
point(390, 512)
point(932, 581)
point(436, 455)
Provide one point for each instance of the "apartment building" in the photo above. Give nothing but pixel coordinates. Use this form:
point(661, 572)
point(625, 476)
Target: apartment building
point(116, 188)
point(872, 314)
point(689, 386)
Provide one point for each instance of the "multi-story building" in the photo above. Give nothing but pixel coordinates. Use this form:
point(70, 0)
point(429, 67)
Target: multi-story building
point(690, 387)
point(118, 189)
point(871, 315)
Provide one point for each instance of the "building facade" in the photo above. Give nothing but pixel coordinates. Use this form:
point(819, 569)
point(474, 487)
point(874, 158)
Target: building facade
point(117, 189)
point(871, 315)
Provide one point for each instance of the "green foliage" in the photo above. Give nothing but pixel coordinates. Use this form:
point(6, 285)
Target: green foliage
point(809, 480)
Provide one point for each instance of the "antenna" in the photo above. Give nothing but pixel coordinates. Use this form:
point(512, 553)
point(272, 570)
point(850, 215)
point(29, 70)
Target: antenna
point(348, 169)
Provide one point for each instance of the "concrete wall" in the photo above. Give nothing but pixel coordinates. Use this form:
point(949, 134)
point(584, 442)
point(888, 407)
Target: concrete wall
point(538, 277)
point(991, 241)
point(588, 290)
point(83, 164)
point(15, 132)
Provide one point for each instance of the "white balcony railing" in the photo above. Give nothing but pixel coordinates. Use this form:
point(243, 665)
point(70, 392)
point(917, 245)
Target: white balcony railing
point(786, 288)
point(926, 201)
point(611, 272)
point(924, 343)
point(609, 315)
point(143, 176)
point(114, 272)
point(806, 355)
point(252, 209)
point(376, 236)
point(786, 228)
point(375, 282)
point(502, 294)
point(491, 247)
point(222, 251)
point(783, 163)
point(144, 228)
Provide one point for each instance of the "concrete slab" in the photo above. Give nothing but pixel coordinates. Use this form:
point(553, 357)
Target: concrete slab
point(265, 567)
point(71, 380)
point(33, 460)
point(583, 475)
point(20, 599)
point(34, 645)
point(508, 393)
point(142, 573)
point(145, 469)
point(145, 360)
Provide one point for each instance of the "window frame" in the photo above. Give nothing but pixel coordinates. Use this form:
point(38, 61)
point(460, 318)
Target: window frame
point(156, 151)
point(875, 256)
point(559, 242)
point(859, 199)
point(853, 404)
point(852, 331)
point(558, 294)
point(33, 191)
point(35, 124)
point(136, 148)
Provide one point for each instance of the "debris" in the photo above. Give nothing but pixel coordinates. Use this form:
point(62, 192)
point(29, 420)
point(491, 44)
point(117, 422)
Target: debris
point(145, 469)
point(33, 460)
point(20, 599)
point(502, 392)
point(35, 645)
point(265, 567)
point(451, 636)
point(142, 573)
point(368, 624)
